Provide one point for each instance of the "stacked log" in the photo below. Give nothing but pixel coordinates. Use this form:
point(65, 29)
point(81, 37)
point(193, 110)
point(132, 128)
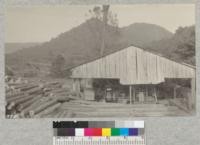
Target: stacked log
point(24, 112)
point(42, 107)
point(24, 105)
point(37, 90)
point(25, 88)
point(48, 110)
point(34, 99)
point(14, 94)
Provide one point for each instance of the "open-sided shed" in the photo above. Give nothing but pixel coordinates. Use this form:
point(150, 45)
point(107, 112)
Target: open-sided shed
point(134, 66)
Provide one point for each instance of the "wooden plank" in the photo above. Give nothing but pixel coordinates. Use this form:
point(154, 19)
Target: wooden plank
point(100, 69)
point(125, 66)
point(89, 72)
point(129, 62)
point(120, 66)
point(107, 66)
point(115, 65)
point(139, 67)
point(103, 68)
point(125, 77)
point(82, 71)
point(111, 74)
point(112, 66)
point(96, 69)
point(133, 66)
point(92, 69)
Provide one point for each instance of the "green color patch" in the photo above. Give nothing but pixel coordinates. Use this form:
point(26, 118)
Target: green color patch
point(115, 132)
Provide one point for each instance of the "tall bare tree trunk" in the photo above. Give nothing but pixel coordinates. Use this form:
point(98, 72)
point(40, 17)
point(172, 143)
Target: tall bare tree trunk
point(105, 19)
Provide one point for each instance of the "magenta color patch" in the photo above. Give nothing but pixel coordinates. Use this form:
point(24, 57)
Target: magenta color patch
point(88, 132)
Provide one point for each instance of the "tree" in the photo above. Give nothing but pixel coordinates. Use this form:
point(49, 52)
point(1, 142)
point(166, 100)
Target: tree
point(104, 14)
point(58, 66)
point(107, 18)
point(186, 45)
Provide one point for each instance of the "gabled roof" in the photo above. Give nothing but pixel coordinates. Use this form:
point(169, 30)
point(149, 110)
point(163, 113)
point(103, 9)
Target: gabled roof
point(134, 65)
point(148, 50)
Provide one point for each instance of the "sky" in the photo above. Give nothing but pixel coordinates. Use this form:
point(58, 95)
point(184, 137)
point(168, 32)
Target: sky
point(41, 23)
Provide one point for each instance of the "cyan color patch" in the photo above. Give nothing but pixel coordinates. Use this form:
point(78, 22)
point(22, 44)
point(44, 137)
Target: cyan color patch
point(124, 132)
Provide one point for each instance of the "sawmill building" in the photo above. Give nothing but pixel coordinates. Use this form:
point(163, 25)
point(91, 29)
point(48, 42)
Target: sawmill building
point(134, 75)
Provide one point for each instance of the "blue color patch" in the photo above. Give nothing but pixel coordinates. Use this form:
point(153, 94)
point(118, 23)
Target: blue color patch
point(133, 131)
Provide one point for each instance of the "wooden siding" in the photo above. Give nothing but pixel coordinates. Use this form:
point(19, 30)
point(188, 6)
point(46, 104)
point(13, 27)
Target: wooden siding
point(133, 66)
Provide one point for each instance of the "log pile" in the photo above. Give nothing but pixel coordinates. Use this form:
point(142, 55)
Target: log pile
point(37, 99)
point(26, 99)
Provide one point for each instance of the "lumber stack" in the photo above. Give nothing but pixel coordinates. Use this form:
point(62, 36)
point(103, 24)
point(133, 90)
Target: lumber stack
point(83, 108)
point(28, 99)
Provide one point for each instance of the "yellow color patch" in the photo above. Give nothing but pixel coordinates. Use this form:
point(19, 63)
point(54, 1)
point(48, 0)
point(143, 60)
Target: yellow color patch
point(106, 132)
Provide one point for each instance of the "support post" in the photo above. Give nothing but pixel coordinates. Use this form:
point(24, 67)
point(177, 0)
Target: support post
point(175, 92)
point(130, 93)
point(192, 99)
point(155, 94)
point(134, 93)
point(77, 85)
point(74, 85)
point(146, 92)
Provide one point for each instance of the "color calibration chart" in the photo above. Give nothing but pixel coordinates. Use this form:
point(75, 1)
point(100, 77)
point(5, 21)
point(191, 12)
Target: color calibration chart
point(99, 133)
